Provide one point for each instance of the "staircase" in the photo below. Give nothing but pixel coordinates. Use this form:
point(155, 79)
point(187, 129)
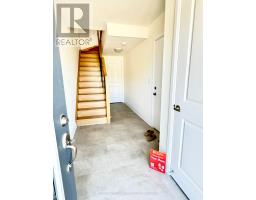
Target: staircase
point(92, 101)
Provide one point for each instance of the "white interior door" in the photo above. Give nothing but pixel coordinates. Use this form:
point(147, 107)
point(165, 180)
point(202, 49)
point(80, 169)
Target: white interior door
point(114, 66)
point(187, 150)
point(158, 66)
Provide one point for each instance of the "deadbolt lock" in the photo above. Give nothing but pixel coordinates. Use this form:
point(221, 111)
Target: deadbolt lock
point(63, 120)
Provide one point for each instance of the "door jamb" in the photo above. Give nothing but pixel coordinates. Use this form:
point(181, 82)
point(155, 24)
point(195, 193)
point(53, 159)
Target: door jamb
point(174, 67)
point(153, 76)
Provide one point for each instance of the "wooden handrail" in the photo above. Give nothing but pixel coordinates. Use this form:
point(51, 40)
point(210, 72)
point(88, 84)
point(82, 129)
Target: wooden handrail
point(104, 70)
point(77, 83)
point(102, 60)
point(104, 73)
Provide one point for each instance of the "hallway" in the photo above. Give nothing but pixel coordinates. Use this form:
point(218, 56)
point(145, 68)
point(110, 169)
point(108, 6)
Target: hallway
point(112, 161)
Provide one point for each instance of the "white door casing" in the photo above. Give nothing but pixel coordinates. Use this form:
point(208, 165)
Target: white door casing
point(186, 127)
point(157, 80)
point(115, 72)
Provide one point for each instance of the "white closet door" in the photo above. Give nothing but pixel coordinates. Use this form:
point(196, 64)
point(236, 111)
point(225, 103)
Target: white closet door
point(187, 150)
point(115, 74)
point(158, 65)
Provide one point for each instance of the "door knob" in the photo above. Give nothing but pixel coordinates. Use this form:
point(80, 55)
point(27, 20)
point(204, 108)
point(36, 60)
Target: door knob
point(154, 93)
point(176, 108)
point(67, 144)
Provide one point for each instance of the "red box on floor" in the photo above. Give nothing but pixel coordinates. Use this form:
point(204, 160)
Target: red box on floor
point(157, 161)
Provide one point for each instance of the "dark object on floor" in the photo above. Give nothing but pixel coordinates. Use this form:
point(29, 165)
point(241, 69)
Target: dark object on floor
point(151, 137)
point(148, 132)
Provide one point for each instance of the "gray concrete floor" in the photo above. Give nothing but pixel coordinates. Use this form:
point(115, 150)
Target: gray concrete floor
point(112, 161)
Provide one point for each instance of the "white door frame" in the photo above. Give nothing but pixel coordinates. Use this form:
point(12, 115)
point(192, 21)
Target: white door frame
point(153, 77)
point(174, 66)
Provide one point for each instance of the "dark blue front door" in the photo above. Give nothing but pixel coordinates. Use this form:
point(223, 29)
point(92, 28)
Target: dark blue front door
point(59, 109)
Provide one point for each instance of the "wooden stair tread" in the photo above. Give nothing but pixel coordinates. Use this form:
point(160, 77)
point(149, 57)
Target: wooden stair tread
point(92, 90)
point(93, 60)
point(82, 66)
point(85, 55)
point(92, 112)
point(89, 97)
point(89, 64)
point(87, 84)
point(92, 120)
point(86, 65)
point(91, 117)
point(89, 73)
point(84, 87)
point(102, 94)
point(89, 68)
point(90, 81)
point(91, 108)
point(91, 104)
point(90, 101)
point(92, 93)
point(86, 101)
point(89, 52)
point(91, 87)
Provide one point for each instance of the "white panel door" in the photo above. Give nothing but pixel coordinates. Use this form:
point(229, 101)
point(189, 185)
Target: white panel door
point(115, 78)
point(158, 65)
point(187, 150)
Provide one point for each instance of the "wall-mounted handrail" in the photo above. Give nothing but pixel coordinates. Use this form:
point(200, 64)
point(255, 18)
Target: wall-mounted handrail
point(103, 73)
point(102, 61)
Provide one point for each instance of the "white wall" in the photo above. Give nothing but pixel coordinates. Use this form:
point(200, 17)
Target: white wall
point(138, 73)
point(93, 40)
point(69, 63)
point(125, 30)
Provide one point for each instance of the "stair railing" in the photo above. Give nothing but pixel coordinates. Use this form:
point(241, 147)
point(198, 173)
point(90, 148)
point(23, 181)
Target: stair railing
point(103, 73)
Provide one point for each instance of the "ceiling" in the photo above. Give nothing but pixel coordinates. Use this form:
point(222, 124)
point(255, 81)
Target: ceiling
point(134, 12)
point(126, 12)
point(116, 42)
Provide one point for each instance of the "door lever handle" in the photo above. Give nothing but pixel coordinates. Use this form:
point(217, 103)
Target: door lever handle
point(73, 152)
point(176, 108)
point(67, 144)
point(154, 93)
